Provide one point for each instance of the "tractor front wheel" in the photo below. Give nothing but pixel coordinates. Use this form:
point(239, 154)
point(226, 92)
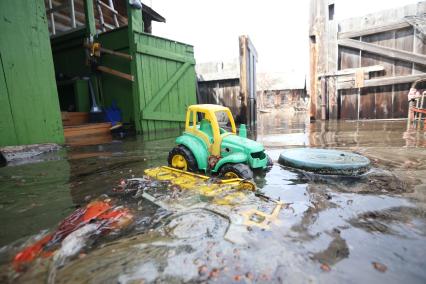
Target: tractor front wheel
point(229, 171)
point(182, 158)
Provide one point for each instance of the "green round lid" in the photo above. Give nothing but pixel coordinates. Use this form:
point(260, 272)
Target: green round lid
point(325, 161)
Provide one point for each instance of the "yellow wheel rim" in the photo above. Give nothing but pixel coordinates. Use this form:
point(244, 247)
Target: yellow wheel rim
point(230, 175)
point(179, 162)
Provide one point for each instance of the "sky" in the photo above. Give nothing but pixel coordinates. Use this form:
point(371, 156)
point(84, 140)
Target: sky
point(277, 28)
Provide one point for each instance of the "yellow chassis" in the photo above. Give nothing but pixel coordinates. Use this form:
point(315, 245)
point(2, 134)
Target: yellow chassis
point(214, 187)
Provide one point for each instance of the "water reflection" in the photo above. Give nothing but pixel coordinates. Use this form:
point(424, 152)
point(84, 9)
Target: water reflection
point(343, 224)
point(279, 129)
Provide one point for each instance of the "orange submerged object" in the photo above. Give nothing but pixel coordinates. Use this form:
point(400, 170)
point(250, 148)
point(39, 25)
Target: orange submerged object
point(101, 212)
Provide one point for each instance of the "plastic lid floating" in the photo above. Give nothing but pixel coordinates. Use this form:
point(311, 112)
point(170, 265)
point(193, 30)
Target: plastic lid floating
point(325, 161)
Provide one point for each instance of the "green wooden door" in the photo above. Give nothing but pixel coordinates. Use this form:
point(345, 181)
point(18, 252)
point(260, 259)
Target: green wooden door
point(166, 81)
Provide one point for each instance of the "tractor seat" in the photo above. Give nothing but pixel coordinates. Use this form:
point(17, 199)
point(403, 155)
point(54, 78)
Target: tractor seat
point(206, 127)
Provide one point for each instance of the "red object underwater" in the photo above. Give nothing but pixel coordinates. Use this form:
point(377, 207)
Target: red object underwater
point(102, 213)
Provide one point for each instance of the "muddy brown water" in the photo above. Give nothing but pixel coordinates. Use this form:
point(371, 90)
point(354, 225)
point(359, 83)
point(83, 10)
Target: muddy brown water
point(368, 229)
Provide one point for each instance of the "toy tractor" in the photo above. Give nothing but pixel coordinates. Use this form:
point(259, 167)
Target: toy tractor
point(207, 147)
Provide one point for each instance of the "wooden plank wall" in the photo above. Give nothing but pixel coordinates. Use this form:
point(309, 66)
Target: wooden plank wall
point(384, 101)
point(323, 58)
point(353, 45)
point(281, 99)
point(29, 106)
point(348, 100)
point(248, 60)
point(224, 92)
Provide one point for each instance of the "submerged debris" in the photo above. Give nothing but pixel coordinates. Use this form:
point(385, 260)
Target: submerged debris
point(22, 154)
point(325, 267)
point(335, 252)
point(385, 221)
point(379, 266)
point(97, 217)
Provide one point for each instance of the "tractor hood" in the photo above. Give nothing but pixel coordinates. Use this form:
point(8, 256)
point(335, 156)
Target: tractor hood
point(233, 142)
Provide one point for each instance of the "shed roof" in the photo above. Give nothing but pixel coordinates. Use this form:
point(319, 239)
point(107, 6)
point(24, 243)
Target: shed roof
point(153, 14)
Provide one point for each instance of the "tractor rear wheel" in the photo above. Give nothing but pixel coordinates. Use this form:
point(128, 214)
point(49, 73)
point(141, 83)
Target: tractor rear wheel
point(182, 158)
point(3, 161)
point(229, 171)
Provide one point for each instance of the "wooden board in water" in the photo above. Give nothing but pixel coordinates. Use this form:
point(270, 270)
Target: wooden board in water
point(88, 134)
point(74, 118)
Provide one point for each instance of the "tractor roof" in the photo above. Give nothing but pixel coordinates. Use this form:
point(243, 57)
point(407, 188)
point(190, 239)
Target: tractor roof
point(207, 107)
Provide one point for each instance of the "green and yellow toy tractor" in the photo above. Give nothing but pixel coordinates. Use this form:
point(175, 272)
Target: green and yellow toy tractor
point(207, 147)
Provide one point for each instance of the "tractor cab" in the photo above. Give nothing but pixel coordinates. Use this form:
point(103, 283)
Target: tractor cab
point(209, 122)
point(210, 144)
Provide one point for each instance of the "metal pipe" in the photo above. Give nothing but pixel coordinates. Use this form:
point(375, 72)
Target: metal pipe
point(95, 108)
point(52, 19)
point(72, 14)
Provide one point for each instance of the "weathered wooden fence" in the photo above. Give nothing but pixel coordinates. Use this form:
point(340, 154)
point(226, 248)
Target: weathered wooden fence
point(223, 92)
point(248, 59)
point(362, 68)
point(232, 84)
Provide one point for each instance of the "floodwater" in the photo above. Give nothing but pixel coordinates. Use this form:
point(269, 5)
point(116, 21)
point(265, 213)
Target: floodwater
point(369, 229)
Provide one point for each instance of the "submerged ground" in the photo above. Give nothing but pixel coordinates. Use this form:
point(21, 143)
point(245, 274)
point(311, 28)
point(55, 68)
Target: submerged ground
point(368, 229)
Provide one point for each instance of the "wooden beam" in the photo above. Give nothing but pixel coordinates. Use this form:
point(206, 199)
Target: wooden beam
point(374, 30)
point(135, 24)
point(115, 73)
point(383, 51)
point(56, 8)
point(152, 51)
point(101, 16)
point(90, 18)
point(163, 116)
point(116, 53)
point(111, 52)
point(107, 7)
point(383, 81)
point(350, 71)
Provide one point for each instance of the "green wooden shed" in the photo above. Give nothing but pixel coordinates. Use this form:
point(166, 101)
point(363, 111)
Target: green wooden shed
point(52, 52)
point(29, 107)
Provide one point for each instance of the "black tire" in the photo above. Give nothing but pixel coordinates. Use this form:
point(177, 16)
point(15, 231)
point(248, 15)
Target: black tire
point(3, 161)
point(269, 164)
point(188, 156)
point(241, 170)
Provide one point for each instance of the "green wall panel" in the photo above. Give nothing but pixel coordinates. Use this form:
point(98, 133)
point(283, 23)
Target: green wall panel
point(167, 80)
point(28, 74)
point(7, 127)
